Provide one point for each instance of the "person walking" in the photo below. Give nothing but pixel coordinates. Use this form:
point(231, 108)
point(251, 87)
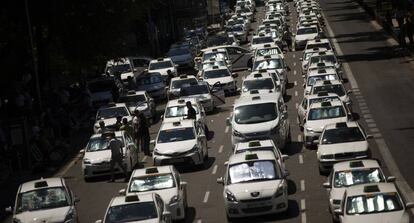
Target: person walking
point(288, 39)
point(143, 133)
point(102, 127)
point(135, 127)
point(127, 127)
point(170, 76)
point(115, 146)
point(191, 112)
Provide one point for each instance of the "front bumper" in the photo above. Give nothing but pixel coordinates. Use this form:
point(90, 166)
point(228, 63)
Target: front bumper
point(254, 136)
point(326, 164)
point(102, 169)
point(195, 158)
point(261, 206)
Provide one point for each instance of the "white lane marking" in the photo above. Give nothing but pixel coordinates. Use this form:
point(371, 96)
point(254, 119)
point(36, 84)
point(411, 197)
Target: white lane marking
point(143, 159)
point(293, 55)
point(302, 185)
point(243, 78)
point(366, 116)
point(294, 64)
point(372, 125)
point(362, 104)
point(358, 96)
point(377, 135)
point(365, 111)
point(66, 168)
point(294, 72)
point(297, 121)
point(206, 196)
point(297, 105)
point(221, 149)
point(295, 83)
point(296, 93)
point(303, 218)
point(389, 161)
point(214, 170)
point(226, 130)
point(299, 138)
point(356, 93)
point(363, 107)
point(302, 205)
point(374, 130)
point(360, 100)
point(199, 221)
point(300, 159)
point(369, 120)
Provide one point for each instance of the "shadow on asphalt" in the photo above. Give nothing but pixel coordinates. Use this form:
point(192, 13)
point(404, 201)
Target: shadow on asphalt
point(339, 3)
point(182, 168)
point(348, 7)
point(293, 148)
point(190, 215)
point(293, 212)
point(291, 187)
point(346, 17)
point(210, 135)
point(375, 53)
point(287, 98)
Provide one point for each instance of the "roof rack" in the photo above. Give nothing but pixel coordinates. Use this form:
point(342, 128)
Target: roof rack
point(40, 184)
point(254, 143)
point(181, 101)
point(355, 164)
point(322, 93)
point(131, 198)
point(327, 82)
point(371, 189)
point(254, 91)
point(176, 123)
point(151, 170)
point(326, 104)
point(215, 67)
point(341, 125)
point(252, 156)
point(131, 92)
point(257, 75)
point(321, 71)
point(182, 76)
point(160, 59)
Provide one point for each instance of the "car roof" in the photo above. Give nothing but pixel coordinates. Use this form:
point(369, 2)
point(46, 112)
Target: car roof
point(186, 123)
point(360, 189)
point(249, 99)
point(180, 101)
point(216, 68)
point(121, 200)
point(305, 27)
point(313, 96)
point(161, 59)
point(99, 135)
point(254, 144)
point(258, 75)
point(356, 164)
point(315, 41)
point(321, 71)
point(41, 183)
point(220, 49)
point(249, 156)
point(320, 104)
point(273, 56)
point(113, 105)
point(152, 170)
point(322, 82)
point(183, 77)
point(133, 93)
point(348, 124)
point(322, 52)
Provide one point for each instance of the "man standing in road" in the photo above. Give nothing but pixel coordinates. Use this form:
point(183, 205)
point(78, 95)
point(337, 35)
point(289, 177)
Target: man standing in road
point(143, 133)
point(127, 127)
point(102, 127)
point(116, 156)
point(191, 112)
point(288, 39)
point(118, 123)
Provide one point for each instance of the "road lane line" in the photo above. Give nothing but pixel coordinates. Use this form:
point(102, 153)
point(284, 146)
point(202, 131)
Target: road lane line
point(366, 116)
point(296, 93)
point(294, 64)
point(294, 72)
point(374, 130)
point(362, 104)
point(297, 105)
point(295, 83)
point(302, 185)
point(369, 120)
point(66, 168)
point(206, 196)
point(226, 130)
point(372, 125)
point(377, 135)
point(299, 138)
point(303, 205)
point(293, 55)
point(303, 218)
point(199, 221)
point(358, 96)
point(214, 170)
point(143, 159)
point(221, 149)
point(389, 161)
point(300, 159)
point(365, 111)
point(297, 121)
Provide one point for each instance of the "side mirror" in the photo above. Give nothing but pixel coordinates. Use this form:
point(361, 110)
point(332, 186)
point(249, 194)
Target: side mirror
point(176, 65)
point(326, 185)
point(166, 214)
point(146, 70)
point(76, 200)
point(370, 136)
point(409, 205)
point(285, 114)
point(98, 221)
point(220, 180)
point(183, 184)
point(235, 75)
point(250, 69)
point(82, 151)
point(228, 121)
point(303, 85)
point(122, 192)
point(391, 179)
point(288, 68)
point(152, 142)
point(340, 212)
point(162, 117)
point(226, 163)
point(167, 88)
point(9, 210)
point(285, 157)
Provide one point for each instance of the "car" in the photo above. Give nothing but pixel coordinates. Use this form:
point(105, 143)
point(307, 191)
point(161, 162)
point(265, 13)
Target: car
point(222, 38)
point(176, 110)
point(306, 56)
point(280, 25)
point(308, 100)
point(260, 40)
point(153, 83)
point(320, 114)
point(239, 31)
point(210, 63)
point(325, 56)
point(260, 116)
point(321, 74)
point(162, 66)
point(262, 82)
point(45, 200)
point(349, 173)
point(213, 52)
point(166, 182)
point(122, 68)
point(176, 83)
point(378, 202)
point(319, 43)
point(268, 49)
point(272, 62)
point(275, 34)
point(333, 86)
point(141, 101)
point(254, 184)
point(341, 141)
point(180, 142)
point(97, 156)
point(209, 96)
point(181, 56)
point(305, 33)
point(137, 208)
point(104, 89)
point(221, 75)
point(108, 115)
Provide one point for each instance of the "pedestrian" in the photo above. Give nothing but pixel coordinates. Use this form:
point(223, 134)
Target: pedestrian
point(288, 39)
point(135, 126)
point(170, 76)
point(191, 112)
point(118, 122)
point(399, 15)
point(408, 20)
point(127, 127)
point(115, 146)
point(102, 128)
point(143, 132)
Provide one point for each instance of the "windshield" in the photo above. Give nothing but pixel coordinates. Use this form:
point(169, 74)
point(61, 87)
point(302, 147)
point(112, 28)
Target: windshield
point(151, 182)
point(258, 84)
point(175, 135)
point(160, 65)
point(179, 83)
point(149, 79)
point(178, 52)
point(312, 80)
point(326, 113)
point(320, 46)
point(194, 90)
point(373, 203)
point(358, 176)
point(268, 64)
point(342, 135)
point(305, 31)
point(178, 111)
point(322, 99)
point(45, 198)
point(131, 212)
point(100, 86)
point(105, 113)
point(332, 88)
point(256, 113)
point(99, 144)
point(262, 40)
point(216, 74)
point(254, 149)
point(253, 171)
point(207, 56)
point(323, 59)
point(268, 51)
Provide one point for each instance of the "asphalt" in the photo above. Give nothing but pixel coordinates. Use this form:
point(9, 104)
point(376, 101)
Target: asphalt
point(382, 103)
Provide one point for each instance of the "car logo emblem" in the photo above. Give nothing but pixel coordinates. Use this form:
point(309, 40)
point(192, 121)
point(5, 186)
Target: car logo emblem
point(254, 194)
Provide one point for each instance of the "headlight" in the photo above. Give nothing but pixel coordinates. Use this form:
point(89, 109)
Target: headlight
point(230, 196)
point(70, 215)
point(86, 161)
point(279, 192)
point(237, 133)
point(328, 156)
point(174, 199)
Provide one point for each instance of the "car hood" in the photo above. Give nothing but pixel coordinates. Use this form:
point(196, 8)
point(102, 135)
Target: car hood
point(124, 76)
point(222, 80)
point(318, 125)
point(141, 107)
point(242, 191)
point(390, 217)
point(256, 127)
point(361, 146)
point(165, 194)
point(306, 37)
point(98, 156)
point(43, 216)
point(102, 95)
point(175, 147)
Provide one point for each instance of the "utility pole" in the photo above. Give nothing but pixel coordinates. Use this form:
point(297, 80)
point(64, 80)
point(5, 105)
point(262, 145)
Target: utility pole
point(34, 56)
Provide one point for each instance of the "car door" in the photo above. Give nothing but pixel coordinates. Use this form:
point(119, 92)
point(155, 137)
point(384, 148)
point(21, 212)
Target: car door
point(217, 93)
point(302, 110)
point(240, 57)
point(283, 126)
point(201, 137)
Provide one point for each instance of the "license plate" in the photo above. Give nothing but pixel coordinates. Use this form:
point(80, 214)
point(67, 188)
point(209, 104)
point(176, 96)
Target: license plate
point(255, 205)
point(101, 167)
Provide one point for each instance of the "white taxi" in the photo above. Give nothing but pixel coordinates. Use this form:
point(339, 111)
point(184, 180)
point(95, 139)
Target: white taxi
point(262, 82)
point(176, 110)
point(321, 74)
point(254, 184)
point(108, 115)
point(141, 101)
point(162, 66)
point(166, 182)
point(180, 142)
point(333, 86)
point(305, 33)
point(177, 82)
point(260, 40)
point(222, 75)
point(308, 100)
